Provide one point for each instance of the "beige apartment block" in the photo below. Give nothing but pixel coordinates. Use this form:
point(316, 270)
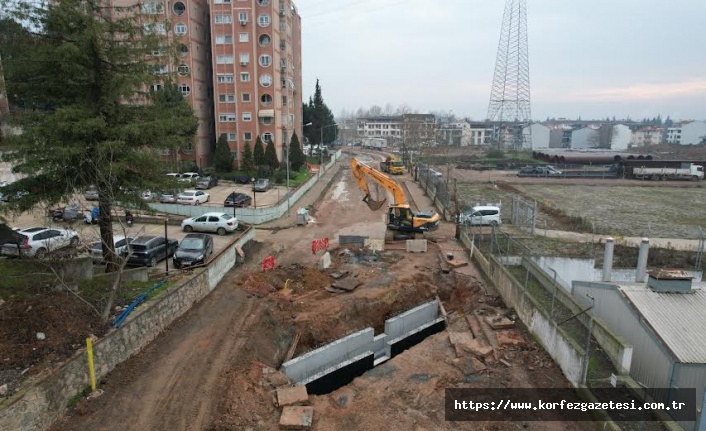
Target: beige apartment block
point(256, 56)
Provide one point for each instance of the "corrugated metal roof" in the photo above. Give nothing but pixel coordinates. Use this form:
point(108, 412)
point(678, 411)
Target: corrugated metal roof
point(679, 319)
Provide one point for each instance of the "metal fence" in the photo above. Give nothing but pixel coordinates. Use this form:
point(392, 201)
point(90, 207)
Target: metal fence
point(575, 319)
point(436, 187)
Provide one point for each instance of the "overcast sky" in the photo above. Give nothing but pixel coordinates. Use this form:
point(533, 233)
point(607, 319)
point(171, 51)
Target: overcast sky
point(588, 58)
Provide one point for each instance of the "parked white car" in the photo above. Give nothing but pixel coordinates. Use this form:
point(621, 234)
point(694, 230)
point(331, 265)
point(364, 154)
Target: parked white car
point(193, 197)
point(121, 248)
point(220, 223)
point(481, 215)
point(39, 241)
point(189, 177)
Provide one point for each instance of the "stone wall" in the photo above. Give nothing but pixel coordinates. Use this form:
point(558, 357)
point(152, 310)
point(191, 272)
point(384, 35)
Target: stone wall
point(43, 399)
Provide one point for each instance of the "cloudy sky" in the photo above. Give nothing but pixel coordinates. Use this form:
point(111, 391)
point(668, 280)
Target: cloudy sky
point(588, 58)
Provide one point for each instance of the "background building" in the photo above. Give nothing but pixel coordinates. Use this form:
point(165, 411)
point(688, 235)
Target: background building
point(184, 23)
point(256, 47)
point(687, 133)
point(646, 136)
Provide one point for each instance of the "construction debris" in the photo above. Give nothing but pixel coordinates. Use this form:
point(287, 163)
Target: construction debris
point(296, 418)
point(294, 396)
point(499, 322)
point(348, 284)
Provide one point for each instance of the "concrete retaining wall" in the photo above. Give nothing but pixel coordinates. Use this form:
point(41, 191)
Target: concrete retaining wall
point(412, 319)
point(129, 274)
point(43, 399)
point(618, 349)
point(336, 364)
point(567, 353)
point(302, 368)
point(249, 215)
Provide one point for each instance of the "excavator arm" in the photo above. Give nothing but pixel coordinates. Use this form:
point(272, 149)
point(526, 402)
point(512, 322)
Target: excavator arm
point(361, 171)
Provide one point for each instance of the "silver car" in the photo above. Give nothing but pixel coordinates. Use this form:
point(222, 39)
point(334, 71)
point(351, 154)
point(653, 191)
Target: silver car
point(121, 248)
point(39, 241)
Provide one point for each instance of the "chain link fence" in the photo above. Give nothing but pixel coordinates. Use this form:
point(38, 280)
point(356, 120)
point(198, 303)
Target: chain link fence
point(549, 293)
point(436, 187)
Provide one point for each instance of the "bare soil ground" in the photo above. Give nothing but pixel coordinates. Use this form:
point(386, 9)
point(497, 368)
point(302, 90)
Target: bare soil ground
point(214, 368)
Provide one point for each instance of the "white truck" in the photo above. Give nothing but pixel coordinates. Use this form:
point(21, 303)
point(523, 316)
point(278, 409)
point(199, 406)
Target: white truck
point(375, 143)
point(688, 171)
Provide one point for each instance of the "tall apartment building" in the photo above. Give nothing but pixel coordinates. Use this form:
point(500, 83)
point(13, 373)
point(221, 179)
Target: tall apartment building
point(186, 24)
point(256, 60)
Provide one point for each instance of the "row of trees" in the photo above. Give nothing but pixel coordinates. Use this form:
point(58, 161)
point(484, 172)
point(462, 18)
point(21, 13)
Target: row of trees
point(260, 155)
point(318, 120)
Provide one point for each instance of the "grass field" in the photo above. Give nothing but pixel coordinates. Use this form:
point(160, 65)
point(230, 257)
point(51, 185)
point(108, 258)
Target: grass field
point(659, 212)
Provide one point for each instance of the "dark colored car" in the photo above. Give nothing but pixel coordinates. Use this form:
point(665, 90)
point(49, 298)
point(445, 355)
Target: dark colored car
point(149, 249)
point(238, 200)
point(194, 249)
point(242, 179)
point(207, 182)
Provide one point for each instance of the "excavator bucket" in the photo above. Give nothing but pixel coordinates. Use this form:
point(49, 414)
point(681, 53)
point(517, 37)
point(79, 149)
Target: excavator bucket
point(373, 204)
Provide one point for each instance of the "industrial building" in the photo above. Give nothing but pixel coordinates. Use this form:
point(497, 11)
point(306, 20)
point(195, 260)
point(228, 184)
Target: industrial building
point(665, 322)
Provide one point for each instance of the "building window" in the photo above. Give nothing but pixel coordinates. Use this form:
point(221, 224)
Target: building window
point(243, 17)
point(263, 2)
point(244, 58)
point(161, 51)
point(266, 120)
point(245, 97)
point(183, 70)
point(265, 60)
point(224, 39)
point(152, 7)
point(265, 40)
point(263, 20)
point(232, 136)
point(266, 99)
point(180, 29)
point(247, 116)
point(224, 59)
point(244, 77)
point(155, 28)
point(185, 89)
point(155, 87)
point(267, 137)
point(224, 19)
point(183, 50)
point(225, 78)
point(221, 1)
point(226, 118)
point(226, 98)
point(247, 136)
point(284, 101)
point(243, 37)
point(266, 80)
point(179, 8)
point(161, 69)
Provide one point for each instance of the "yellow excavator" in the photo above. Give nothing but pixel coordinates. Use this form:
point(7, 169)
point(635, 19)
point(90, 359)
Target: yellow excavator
point(401, 218)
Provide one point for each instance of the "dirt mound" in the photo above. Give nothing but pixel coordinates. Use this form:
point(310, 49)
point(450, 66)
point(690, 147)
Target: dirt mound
point(292, 279)
point(64, 321)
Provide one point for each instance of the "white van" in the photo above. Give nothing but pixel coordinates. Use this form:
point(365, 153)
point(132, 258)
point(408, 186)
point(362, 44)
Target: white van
point(481, 215)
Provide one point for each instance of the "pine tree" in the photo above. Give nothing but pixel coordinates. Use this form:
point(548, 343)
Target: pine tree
point(92, 123)
point(248, 162)
point(271, 156)
point(223, 158)
point(259, 153)
point(296, 155)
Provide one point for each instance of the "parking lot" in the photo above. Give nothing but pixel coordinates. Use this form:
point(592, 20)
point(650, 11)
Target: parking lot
point(218, 194)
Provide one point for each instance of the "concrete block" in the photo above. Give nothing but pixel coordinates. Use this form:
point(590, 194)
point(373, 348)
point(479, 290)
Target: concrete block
point(325, 261)
point(416, 245)
point(375, 244)
point(499, 322)
point(295, 396)
point(510, 337)
point(296, 418)
point(347, 284)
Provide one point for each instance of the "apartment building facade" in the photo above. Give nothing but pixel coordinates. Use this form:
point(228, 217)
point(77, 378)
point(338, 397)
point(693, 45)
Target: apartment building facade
point(256, 61)
point(185, 25)
point(414, 129)
point(687, 133)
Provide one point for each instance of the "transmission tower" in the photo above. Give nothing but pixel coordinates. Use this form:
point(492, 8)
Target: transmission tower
point(509, 107)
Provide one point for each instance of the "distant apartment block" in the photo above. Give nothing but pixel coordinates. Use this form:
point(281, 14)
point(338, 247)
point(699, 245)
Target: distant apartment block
point(413, 129)
point(256, 47)
point(687, 133)
point(646, 136)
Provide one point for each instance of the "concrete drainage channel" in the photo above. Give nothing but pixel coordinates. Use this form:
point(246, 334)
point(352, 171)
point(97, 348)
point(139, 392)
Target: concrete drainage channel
point(336, 364)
